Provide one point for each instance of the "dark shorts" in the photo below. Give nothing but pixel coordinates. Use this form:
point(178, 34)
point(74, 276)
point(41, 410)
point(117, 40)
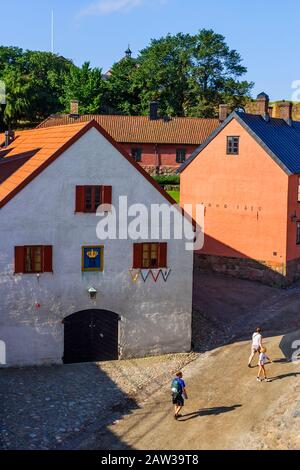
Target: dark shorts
point(177, 400)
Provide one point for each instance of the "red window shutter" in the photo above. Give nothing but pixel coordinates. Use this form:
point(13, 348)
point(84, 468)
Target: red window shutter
point(137, 255)
point(47, 259)
point(19, 259)
point(106, 194)
point(162, 255)
point(80, 193)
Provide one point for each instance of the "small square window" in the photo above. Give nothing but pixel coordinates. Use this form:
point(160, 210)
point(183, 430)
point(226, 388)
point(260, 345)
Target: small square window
point(233, 145)
point(180, 155)
point(92, 258)
point(136, 154)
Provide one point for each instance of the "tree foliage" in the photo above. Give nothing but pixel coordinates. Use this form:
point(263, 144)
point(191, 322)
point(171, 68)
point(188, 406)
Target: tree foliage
point(33, 83)
point(190, 75)
point(85, 85)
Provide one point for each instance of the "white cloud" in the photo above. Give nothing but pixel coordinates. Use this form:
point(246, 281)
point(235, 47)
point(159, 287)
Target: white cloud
point(104, 7)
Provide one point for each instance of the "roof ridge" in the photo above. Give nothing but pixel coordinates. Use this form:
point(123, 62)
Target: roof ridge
point(280, 140)
point(42, 159)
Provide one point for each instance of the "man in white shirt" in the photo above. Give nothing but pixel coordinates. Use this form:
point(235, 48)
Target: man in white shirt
point(256, 345)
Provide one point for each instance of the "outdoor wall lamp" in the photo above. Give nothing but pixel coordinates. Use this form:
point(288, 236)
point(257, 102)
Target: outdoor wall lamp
point(92, 293)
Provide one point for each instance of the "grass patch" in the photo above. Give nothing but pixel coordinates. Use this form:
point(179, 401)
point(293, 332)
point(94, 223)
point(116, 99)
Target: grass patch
point(175, 195)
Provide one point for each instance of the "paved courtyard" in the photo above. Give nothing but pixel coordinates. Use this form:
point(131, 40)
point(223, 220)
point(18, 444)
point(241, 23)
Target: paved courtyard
point(227, 408)
point(127, 405)
point(53, 407)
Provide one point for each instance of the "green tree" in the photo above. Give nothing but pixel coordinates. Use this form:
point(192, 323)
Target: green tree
point(33, 82)
point(163, 74)
point(189, 74)
point(47, 74)
point(215, 74)
point(17, 97)
point(9, 56)
point(122, 93)
point(85, 85)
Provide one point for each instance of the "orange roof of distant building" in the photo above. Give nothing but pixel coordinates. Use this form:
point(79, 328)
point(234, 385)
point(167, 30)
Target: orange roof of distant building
point(43, 146)
point(142, 130)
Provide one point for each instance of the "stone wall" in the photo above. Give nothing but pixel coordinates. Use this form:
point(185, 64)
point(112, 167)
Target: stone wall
point(161, 170)
point(274, 274)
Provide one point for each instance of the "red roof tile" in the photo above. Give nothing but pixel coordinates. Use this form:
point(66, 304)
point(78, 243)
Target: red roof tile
point(47, 144)
point(140, 129)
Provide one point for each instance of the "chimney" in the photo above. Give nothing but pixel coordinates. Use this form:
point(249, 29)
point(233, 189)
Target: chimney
point(263, 105)
point(286, 112)
point(9, 138)
point(74, 107)
point(223, 112)
point(153, 111)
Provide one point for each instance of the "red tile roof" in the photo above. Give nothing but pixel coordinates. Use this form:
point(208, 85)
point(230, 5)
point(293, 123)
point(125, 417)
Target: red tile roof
point(140, 129)
point(47, 144)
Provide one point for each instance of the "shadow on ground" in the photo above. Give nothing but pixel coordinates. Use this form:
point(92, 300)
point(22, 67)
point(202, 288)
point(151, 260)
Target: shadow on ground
point(54, 407)
point(285, 376)
point(209, 412)
point(227, 310)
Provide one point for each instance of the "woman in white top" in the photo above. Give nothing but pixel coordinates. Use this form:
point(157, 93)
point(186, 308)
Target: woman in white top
point(256, 345)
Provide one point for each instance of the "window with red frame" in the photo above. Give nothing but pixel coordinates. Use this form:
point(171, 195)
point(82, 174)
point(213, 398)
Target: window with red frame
point(89, 198)
point(33, 259)
point(150, 255)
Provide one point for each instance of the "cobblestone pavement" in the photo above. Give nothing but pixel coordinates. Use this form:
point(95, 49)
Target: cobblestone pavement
point(52, 407)
point(58, 407)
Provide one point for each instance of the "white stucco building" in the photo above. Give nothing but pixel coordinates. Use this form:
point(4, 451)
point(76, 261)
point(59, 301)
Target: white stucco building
point(65, 295)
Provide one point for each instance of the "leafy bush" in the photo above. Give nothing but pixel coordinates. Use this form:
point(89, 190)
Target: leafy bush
point(164, 180)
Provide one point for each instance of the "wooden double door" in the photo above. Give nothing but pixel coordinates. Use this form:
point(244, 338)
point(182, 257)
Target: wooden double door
point(91, 336)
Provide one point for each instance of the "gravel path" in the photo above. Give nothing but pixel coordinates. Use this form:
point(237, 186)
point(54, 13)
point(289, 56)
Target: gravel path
point(227, 408)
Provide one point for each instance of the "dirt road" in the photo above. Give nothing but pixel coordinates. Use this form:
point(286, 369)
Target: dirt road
point(227, 407)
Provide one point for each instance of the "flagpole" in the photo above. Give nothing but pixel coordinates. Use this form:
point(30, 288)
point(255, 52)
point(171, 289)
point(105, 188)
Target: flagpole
point(52, 31)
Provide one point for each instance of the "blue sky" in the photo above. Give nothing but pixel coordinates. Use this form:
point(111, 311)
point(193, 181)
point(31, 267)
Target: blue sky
point(266, 33)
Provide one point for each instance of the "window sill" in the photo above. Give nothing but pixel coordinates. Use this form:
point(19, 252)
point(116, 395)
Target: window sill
point(145, 269)
point(35, 273)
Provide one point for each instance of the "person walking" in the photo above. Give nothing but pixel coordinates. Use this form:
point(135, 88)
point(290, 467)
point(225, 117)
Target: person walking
point(256, 345)
point(178, 394)
point(263, 358)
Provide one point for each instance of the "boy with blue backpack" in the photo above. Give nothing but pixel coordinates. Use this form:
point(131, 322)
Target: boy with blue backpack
point(178, 394)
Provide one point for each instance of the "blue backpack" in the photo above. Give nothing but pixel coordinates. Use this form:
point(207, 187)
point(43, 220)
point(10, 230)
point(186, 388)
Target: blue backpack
point(176, 387)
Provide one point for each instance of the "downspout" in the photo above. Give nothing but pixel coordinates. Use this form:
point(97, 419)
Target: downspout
point(157, 159)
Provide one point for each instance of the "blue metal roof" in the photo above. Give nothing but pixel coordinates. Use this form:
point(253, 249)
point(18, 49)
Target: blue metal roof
point(280, 140)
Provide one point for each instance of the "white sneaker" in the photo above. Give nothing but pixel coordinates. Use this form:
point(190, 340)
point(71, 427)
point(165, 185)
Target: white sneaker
point(258, 379)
